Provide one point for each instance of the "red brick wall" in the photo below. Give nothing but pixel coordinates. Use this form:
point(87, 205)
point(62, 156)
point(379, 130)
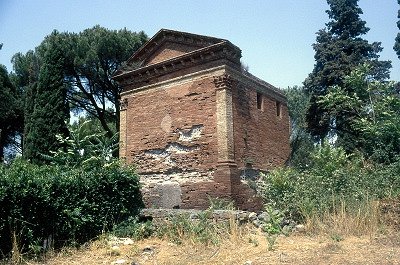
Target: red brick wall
point(156, 116)
point(261, 137)
point(160, 123)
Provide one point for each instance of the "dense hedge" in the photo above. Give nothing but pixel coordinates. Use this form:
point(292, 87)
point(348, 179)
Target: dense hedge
point(70, 205)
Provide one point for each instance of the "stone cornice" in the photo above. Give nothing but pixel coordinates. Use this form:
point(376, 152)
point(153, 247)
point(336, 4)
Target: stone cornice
point(218, 71)
point(258, 84)
point(222, 50)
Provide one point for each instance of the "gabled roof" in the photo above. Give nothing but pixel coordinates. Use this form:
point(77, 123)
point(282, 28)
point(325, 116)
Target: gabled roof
point(164, 35)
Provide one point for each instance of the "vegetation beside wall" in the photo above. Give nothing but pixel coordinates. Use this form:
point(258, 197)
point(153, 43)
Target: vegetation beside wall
point(52, 206)
point(333, 182)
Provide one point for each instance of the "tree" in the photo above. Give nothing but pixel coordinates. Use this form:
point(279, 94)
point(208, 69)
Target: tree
point(10, 112)
point(397, 41)
point(25, 77)
point(50, 109)
point(339, 49)
point(92, 57)
point(300, 140)
point(375, 110)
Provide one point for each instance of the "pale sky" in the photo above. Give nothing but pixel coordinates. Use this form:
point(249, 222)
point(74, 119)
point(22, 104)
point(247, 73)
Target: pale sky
point(275, 35)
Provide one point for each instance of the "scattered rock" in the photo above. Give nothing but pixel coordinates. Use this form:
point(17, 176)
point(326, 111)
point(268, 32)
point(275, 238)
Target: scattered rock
point(252, 216)
point(148, 250)
point(128, 241)
point(115, 251)
point(300, 228)
point(263, 216)
point(242, 216)
point(256, 223)
point(119, 261)
point(248, 262)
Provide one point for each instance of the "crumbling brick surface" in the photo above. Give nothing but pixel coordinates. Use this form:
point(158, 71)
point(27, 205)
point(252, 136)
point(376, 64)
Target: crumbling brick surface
point(196, 127)
point(172, 127)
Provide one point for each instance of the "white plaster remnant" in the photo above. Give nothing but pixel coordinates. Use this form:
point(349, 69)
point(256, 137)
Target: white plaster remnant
point(164, 154)
point(180, 149)
point(166, 123)
point(160, 155)
point(193, 133)
point(181, 177)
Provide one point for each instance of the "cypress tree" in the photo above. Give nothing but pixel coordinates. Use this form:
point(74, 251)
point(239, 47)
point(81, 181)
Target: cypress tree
point(339, 49)
point(397, 41)
point(50, 109)
point(10, 111)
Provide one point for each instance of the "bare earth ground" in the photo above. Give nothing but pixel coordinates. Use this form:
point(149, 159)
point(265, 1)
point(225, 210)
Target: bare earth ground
point(247, 249)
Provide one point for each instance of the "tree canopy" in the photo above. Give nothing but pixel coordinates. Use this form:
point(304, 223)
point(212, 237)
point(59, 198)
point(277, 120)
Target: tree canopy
point(339, 49)
point(85, 64)
point(375, 110)
point(92, 57)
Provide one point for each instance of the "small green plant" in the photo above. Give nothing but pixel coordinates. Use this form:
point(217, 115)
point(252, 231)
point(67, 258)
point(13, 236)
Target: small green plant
point(254, 241)
point(271, 239)
point(336, 237)
point(272, 226)
point(181, 227)
point(197, 228)
point(133, 228)
point(221, 204)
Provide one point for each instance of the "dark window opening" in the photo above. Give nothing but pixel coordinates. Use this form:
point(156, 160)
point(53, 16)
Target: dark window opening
point(278, 108)
point(259, 101)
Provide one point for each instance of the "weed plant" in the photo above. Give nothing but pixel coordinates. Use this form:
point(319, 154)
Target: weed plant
point(335, 192)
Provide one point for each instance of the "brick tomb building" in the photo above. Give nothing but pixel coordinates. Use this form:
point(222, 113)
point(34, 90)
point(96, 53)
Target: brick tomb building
point(196, 125)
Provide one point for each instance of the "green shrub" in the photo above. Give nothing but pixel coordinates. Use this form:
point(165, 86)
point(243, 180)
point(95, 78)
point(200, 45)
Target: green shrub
point(331, 176)
point(134, 228)
point(63, 205)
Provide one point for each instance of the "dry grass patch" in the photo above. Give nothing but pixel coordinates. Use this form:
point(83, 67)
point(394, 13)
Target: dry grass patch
point(249, 248)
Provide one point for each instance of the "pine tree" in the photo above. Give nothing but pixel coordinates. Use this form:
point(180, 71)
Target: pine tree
point(397, 41)
point(339, 49)
point(50, 109)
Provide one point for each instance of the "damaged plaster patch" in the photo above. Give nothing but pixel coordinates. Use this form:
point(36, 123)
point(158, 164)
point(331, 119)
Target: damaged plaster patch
point(179, 177)
point(193, 133)
point(160, 155)
point(180, 148)
point(166, 123)
point(164, 154)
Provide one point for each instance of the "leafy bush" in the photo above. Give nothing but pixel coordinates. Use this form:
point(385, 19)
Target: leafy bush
point(134, 228)
point(55, 205)
point(331, 176)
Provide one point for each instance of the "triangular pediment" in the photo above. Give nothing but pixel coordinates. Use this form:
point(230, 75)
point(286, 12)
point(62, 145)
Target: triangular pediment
point(167, 44)
point(168, 50)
